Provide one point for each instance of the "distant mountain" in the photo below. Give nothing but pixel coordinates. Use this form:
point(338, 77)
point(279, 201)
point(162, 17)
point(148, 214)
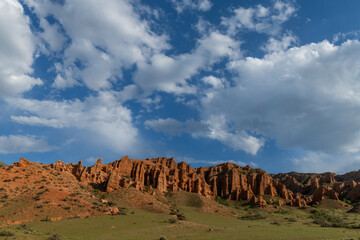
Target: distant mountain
point(2, 164)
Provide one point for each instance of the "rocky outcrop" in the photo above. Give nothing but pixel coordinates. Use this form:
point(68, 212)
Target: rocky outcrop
point(305, 183)
point(323, 192)
point(227, 180)
point(346, 186)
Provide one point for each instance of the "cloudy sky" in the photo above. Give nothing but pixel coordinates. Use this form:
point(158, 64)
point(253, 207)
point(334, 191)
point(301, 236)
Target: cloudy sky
point(274, 84)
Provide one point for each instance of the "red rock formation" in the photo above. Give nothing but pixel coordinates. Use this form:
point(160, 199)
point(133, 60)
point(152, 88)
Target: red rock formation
point(226, 180)
point(323, 192)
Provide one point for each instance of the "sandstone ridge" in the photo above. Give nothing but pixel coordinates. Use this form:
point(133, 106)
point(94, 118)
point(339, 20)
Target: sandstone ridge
point(227, 180)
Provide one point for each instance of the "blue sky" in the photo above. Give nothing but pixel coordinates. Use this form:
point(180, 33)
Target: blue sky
point(274, 84)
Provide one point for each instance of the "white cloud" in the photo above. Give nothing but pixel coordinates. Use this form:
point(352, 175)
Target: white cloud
point(306, 97)
point(17, 48)
point(260, 19)
point(200, 5)
point(104, 40)
point(102, 118)
point(320, 162)
point(214, 81)
point(274, 45)
point(52, 35)
point(215, 128)
point(238, 140)
point(23, 144)
point(170, 74)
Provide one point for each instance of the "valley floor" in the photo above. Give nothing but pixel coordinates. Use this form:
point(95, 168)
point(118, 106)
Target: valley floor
point(246, 223)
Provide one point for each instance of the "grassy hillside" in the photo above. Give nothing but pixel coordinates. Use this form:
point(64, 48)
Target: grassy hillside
point(245, 223)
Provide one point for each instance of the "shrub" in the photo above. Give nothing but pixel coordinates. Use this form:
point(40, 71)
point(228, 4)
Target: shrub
point(276, 203)
point(46, 219)
point(6, 234)
point(55, 236)
point(253, 216)
point(326, 218)
point(172, 220)
point(169, 193)
point(22, 227)
point(147, 188)
point(275, 223)
point(221, 201)
point(291, 219)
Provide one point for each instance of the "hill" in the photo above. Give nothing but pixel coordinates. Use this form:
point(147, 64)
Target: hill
point(33, 191)
point(2, 164)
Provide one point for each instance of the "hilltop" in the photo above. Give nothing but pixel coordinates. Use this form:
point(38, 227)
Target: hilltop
point(61, 190)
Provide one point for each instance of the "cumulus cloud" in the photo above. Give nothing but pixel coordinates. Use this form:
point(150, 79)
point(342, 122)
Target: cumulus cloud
point(260, 19)
point(215, 128)
point(304, 97)
point(103, 118)
point(200, 5)
point(214, 81)
point(23, 144)
point(104, 40)
point(17, 48)
point(170, 74)
point(274, 44)
point(236, 139)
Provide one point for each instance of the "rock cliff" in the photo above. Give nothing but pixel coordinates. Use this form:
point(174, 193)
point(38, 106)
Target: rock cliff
point(227, 180)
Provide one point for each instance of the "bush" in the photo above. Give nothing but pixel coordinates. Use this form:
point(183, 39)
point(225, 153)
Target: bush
point(326, 218)
point(55, 236)
point(46, 219)
point(172, 220)
point(6, 234)
point(253, 216)
point(221, 201)
point(169, 193)
point(291, 219)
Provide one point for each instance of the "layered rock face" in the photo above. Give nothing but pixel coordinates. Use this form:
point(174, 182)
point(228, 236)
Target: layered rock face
point(226, 180)
point(325, 185)
point(305, 183)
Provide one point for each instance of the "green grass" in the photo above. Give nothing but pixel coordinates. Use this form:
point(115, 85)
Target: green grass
point(282, 224)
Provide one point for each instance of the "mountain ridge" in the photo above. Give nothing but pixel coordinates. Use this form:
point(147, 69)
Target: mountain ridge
point(80, 189)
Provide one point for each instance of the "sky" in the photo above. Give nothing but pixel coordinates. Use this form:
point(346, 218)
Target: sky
point(273, 84)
